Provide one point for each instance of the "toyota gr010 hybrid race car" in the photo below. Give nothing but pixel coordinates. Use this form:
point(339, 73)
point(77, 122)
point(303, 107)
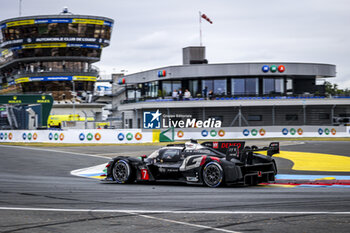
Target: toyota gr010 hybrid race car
point(209, 163)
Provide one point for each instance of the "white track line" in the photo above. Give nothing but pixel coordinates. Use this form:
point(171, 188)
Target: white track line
point(176, 211)
point(58, 151)
point(136, 213)
point(186, 223)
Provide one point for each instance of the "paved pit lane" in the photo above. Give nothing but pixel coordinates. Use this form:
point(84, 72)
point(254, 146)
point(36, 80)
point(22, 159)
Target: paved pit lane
point(38, 194)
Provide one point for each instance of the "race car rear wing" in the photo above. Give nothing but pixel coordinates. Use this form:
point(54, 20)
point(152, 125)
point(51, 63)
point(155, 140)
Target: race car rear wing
point(223, 146)
point(246, 155)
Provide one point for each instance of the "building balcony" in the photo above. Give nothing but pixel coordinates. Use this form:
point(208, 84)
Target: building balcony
point(233, 102)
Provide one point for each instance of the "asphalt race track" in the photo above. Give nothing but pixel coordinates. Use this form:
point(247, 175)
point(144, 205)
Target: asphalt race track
point(38, 194)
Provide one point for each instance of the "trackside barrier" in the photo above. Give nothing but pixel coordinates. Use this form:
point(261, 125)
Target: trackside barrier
point(77, 136)
point(262, 132)
point(143, 136)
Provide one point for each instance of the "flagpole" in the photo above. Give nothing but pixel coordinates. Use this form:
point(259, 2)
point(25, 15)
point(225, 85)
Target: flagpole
point(200, 28)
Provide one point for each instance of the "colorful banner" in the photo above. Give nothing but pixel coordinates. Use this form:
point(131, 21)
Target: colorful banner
point(55, 39)
point(142, 136)
point(53, 78)
point(46, 21)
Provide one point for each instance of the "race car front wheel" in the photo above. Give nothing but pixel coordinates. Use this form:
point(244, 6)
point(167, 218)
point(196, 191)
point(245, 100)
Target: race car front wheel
point(122, 172)
point(213, 174)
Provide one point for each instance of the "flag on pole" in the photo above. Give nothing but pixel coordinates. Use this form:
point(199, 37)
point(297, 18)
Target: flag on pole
point(204, 16)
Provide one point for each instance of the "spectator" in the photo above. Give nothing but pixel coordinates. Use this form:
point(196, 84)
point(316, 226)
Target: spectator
point(205, 92)
point(187, 94)
point(175, 95)
point(180, 94)
point(211, 95)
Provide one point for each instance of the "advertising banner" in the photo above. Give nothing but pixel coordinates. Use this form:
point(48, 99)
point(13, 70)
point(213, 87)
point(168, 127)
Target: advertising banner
point(168, 135)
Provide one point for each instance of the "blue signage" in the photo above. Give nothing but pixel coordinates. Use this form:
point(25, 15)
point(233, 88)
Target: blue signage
point(265, 68)
point(50, 136)
point(81, 137)
point(121, 136)
point(1, 136)
point(204, 133)
point(320, 131)
point(24, 136)
point(151, 120)
point(285, 131)
point(245, 132)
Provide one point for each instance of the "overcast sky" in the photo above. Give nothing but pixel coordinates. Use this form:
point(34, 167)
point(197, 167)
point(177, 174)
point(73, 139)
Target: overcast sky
point(149, 34)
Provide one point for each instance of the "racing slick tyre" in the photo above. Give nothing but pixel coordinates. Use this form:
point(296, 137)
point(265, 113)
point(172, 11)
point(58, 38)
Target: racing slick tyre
point(122, 172)
point(213, 174)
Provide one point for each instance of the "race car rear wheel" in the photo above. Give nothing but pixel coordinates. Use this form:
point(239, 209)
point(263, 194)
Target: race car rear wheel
point(121, 172)
point(213, 174)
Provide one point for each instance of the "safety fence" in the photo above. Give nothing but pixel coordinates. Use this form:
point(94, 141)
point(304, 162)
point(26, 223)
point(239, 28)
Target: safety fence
point(171, 134)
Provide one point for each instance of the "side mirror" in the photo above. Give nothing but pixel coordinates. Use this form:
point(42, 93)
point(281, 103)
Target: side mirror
point(143, 157)
point(232, 153)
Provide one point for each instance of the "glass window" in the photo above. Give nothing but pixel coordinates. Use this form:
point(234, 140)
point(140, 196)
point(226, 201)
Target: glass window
point(238, 86)
point(208, 83)
point(254, 117)
point(151, 89)
point(193, 88)
point(166, 87)
point(176, 86)
point(323, 116)
point(291, 117)
point(269, 86)
point(251, 86)
point(279, 86)
point(289, 84)
point(220, 87)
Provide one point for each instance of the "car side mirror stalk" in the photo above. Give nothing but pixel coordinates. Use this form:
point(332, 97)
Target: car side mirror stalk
point(143, 157)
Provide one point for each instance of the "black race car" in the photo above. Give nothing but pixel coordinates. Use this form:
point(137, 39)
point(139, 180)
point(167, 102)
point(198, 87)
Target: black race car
point(209, 163)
